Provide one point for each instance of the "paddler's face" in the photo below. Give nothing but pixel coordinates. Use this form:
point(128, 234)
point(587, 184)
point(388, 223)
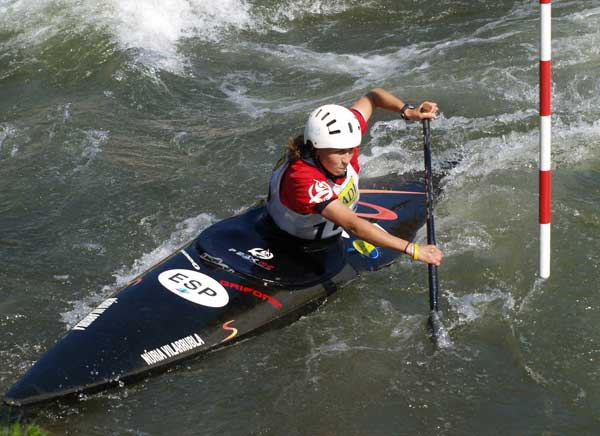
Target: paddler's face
point(335, 160)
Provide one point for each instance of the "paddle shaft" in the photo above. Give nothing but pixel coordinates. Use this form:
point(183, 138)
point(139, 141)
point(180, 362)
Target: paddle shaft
point(433, 277)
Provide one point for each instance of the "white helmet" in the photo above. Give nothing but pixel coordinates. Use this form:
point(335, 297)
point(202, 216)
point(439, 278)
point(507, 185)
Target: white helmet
point(332, 126)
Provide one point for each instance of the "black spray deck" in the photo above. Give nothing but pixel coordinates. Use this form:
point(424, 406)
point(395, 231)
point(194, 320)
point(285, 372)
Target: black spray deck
point(238, 277)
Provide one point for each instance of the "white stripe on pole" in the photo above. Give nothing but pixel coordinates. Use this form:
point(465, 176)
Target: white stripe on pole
point(545, 235)
point(545, 32)
point(545, 143)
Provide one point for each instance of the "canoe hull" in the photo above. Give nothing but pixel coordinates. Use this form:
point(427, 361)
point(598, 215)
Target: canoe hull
point(237, 278)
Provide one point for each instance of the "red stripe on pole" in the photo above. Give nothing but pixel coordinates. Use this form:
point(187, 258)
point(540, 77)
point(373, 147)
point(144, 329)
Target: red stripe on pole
point(543, 2)
point(545, 185)
point(545, 87)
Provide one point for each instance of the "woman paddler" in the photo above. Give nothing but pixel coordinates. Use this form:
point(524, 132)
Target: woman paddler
point(313, 193)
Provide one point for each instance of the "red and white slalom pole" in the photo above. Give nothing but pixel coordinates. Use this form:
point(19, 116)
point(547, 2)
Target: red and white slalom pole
point(545, 135)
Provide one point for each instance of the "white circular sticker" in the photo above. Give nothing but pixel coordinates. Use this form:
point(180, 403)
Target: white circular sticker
point(195, 287)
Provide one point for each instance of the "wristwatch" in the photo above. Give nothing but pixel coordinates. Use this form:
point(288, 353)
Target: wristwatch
point(403, 110)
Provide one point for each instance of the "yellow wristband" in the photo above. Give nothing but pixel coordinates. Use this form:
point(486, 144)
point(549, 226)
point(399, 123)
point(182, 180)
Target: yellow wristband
point(415, 251)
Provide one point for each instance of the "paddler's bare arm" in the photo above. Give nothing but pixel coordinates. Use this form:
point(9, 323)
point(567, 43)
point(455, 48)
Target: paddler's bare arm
point(339, 213)
point(380, 98)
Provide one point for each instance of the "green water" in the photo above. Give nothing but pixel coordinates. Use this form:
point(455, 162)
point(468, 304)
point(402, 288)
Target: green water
point(128, 127)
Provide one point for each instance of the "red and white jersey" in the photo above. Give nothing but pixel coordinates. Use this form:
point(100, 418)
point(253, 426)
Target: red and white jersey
point(299, 191)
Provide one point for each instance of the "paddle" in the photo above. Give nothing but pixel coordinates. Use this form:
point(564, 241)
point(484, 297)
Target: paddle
point(434, 317)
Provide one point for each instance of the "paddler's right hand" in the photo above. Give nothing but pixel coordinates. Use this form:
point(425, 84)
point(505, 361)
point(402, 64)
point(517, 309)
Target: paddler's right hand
point(430, 254)
point(427, 110)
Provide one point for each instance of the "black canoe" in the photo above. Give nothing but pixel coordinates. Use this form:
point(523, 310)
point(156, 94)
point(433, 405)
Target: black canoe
point(237, 277)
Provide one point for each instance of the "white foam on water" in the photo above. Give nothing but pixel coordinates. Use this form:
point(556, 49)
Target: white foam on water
point(11, 139)
point(152, 28)
point(442, 337)
point(367, 68)
point(401, 143)
point(377, 66)
point(408, 328)
point(31, 22)
point(393, 149)
point(535, 291)
point(466, 236)
point(396, 147)
point(91, 145)
point(185, 231)
point(441, 48)
point(157, 27)
point(298, 9)
point(577, 47)
point(583, 18)
point(573, 143)
point(235, 87)
point(471, 307)
point(511, 20)
point(576, 142)
point(6, 131)
point(92, 247)
point(16, 363)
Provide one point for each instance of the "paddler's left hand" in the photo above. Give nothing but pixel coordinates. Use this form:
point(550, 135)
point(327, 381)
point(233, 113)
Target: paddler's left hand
point(430, 254)
point(425, 111)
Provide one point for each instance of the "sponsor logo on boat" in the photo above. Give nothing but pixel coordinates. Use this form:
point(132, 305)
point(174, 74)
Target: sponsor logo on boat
point(94, 314)
point(258, 294)
point(258, 262)
point(366, 249)
point(381, 213)
point(228, 328)
point(173, 349)
point(195, 287)
point(261, 253)
point(216, 261)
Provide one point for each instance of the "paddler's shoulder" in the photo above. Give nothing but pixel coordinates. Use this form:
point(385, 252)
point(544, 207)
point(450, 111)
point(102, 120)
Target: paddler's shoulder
point(304, 168)
point(302, 173)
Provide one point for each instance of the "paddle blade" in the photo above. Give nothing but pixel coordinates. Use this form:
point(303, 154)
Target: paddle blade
point(439, 334)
